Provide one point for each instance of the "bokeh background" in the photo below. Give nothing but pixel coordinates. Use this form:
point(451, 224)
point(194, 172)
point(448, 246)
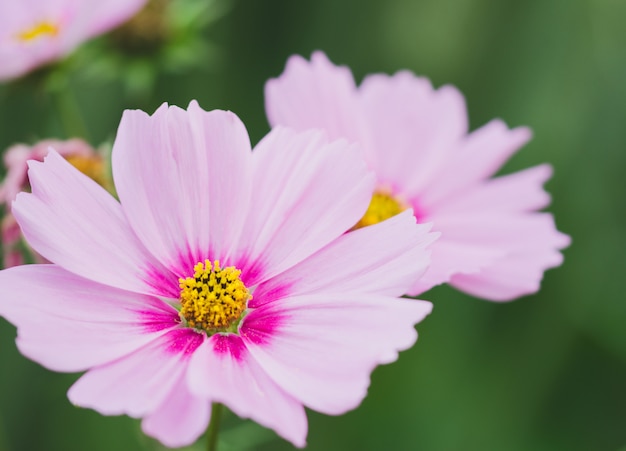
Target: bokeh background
point(546, 372)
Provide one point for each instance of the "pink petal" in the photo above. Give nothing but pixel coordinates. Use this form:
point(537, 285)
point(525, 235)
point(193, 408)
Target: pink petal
point(222, 370)
point(529, 244)
point(72, 221)
point(317, 95)
point(479, 157)
point(67, 323)
point(385, 258)
point(184, 181)
point(138, 383)
point(92, 19)
point(307, 193)
point(502, 230)
point(533, 249)
point(321, 349)
point(519, 192)
point(180, 420)
point(449, 257)
point(416, 128)
point(507, 279)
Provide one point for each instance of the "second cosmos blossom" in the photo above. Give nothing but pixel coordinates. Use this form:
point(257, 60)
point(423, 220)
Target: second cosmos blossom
point(36, 32)
point(495, 243)
point(222, 275)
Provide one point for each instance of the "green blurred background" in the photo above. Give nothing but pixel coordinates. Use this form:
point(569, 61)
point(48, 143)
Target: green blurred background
point(546, 372)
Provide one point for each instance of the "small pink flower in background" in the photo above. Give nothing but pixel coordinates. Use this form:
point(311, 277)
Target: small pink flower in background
point(495, 243)
point(36, 32)
point(16, 158)
point(11, 240)
point(222, 275)
point(16, 161)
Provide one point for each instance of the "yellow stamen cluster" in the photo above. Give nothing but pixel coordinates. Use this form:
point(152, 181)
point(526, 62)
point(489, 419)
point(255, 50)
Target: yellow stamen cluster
point(92, 166)
point(382, 206)
point(214, 298)
point(39, 30)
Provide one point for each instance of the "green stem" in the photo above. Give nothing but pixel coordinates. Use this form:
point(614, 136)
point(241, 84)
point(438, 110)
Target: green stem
point(214, 426)
point(69, 112)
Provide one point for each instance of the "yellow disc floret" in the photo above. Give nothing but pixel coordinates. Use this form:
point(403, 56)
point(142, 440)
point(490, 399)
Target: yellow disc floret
point(92, 166)
point(214, 298)
point(38, 30)
point(382, 206)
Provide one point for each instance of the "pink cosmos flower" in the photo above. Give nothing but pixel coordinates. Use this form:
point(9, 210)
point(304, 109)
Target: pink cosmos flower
point(495, 243)
point(35, 32)
point(222, 275)
point(16, 158)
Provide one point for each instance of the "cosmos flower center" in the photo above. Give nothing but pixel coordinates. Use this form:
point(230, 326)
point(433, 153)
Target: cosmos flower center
point(214, 299)
point(39, 30)
point(383, 206)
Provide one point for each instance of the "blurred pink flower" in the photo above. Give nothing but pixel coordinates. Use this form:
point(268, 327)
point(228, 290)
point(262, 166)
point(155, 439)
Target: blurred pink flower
point(16, 160)
point(305, 311)
point(35, 32)
point(494, 244)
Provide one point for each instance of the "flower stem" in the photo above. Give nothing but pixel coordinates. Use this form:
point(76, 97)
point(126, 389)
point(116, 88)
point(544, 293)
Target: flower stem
point(69, 112)
point(214, 426)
